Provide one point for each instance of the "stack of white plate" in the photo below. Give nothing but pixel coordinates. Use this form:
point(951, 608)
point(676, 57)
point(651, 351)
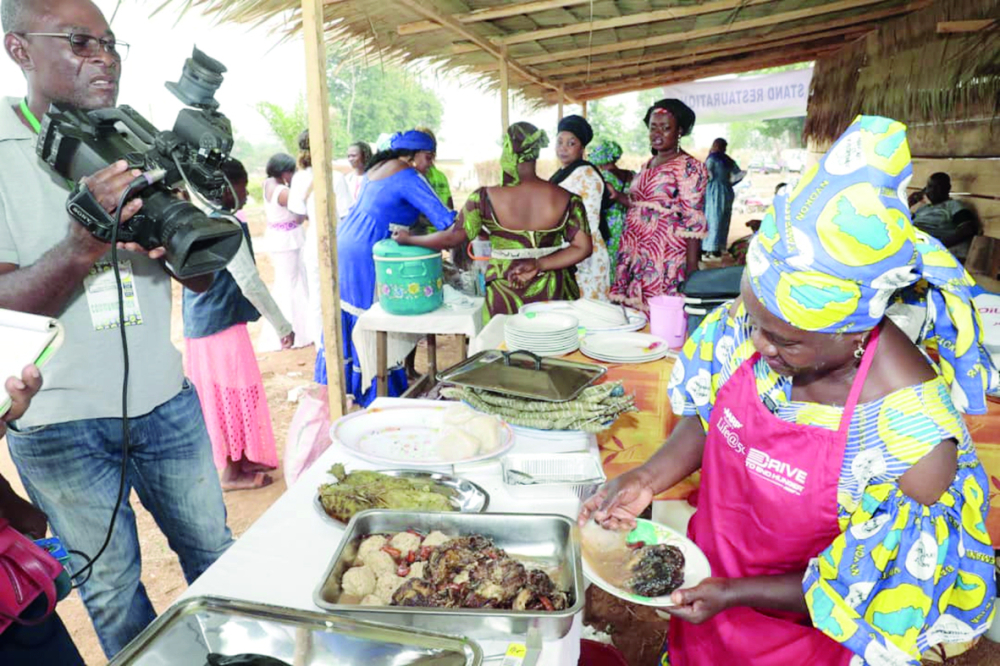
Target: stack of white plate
point(542, 333)
point(624, 347)
point(591, 319)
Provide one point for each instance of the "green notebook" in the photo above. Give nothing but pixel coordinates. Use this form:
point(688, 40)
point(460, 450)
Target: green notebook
point(24, 339)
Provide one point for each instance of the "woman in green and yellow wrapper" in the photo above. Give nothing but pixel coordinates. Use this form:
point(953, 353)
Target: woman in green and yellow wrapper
point(537, 230)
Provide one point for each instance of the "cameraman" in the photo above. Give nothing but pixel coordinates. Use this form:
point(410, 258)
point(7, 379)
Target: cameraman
point(68, 449)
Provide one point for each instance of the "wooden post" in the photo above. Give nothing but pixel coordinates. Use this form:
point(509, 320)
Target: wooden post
point(504, 91)
point(583, 108)
point(562, 96)
point(326, 210)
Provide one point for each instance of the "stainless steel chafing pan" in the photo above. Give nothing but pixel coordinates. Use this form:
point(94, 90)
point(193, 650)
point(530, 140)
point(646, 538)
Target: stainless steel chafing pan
point(542, 540)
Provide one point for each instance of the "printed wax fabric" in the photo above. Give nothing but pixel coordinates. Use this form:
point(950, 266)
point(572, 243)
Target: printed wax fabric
point(831, 255)
point(901, 577)
point(668, 208)
point(502, 296)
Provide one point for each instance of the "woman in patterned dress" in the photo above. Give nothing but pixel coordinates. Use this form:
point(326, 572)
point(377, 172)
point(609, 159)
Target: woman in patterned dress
point(666, 220)
point(842, 507)
point(584, 179)
point(605, 155)
point(537, 230)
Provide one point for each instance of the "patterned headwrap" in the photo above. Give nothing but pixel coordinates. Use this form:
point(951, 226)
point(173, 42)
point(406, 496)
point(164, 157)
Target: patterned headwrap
point(831, 255)
point(522, 142)
point(604, 152)
point(413, 140)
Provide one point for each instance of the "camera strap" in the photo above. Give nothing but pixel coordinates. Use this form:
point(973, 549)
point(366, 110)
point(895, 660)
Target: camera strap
point(88, 211)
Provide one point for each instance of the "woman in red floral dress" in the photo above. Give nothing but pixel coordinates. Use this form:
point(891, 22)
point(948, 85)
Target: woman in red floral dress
point(665, 223)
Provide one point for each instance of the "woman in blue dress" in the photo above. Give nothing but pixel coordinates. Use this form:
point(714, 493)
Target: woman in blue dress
point(723, 173)
point(393, 195)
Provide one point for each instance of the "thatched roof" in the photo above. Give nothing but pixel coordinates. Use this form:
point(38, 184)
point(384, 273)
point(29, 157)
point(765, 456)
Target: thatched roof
point(910, 68)
point(587, 48)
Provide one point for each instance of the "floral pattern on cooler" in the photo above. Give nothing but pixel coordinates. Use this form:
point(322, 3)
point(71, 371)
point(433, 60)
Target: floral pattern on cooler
point(873, 588)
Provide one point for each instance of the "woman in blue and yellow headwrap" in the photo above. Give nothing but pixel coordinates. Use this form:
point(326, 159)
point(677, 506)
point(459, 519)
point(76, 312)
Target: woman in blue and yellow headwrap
point(537, 231)
point(842, 506)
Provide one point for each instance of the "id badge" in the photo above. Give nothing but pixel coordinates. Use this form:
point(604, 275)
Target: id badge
point(102, 295)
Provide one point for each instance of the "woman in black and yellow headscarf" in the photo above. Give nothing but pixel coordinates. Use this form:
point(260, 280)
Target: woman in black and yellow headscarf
point(538, 231)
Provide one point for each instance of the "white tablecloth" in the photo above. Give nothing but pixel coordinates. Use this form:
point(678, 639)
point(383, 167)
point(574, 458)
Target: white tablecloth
point(283, 555)
point(460, 315)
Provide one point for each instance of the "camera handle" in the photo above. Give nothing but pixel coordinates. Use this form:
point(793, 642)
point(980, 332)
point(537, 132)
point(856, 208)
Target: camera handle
point(85, 209)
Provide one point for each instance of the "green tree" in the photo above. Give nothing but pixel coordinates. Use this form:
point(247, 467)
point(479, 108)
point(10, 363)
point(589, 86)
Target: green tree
point(286, 124)
point(367, 101)
point(606, 118)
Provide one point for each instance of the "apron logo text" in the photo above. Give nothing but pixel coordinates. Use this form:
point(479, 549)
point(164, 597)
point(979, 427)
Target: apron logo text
point(781, 474)
point(728, 425)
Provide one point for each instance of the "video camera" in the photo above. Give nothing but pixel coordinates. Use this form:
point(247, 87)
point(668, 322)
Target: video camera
point(79, 143)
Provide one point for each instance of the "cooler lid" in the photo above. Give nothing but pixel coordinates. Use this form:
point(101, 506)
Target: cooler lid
point(390, 249)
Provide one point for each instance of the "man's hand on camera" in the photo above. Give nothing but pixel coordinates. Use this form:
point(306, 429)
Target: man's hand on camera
point(107, 186)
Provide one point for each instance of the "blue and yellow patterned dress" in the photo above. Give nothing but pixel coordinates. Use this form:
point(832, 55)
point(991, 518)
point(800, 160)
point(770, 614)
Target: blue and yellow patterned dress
point(902, 577)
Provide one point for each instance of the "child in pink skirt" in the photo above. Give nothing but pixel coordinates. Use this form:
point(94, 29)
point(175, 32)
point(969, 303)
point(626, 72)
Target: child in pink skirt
point(220, 361)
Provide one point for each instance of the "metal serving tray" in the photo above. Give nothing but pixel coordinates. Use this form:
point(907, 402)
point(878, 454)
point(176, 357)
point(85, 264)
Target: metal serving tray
point(191, 629)
point(545, 540)
point(465, 496)
point(523, 375)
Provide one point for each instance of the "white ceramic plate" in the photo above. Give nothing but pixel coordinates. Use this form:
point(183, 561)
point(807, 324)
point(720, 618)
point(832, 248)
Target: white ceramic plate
point(404, 436)
point(696, 566)
point(616, 348)
point(541, 323)
point(636, 320)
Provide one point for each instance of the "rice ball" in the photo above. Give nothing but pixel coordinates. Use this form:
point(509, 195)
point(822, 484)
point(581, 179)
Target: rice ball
point(381, 563)
point(358, 581)
point(436, 538)
point(456, 444)
point(457, 414)
point(487, 429)
point(372, 544)
point(405, 542)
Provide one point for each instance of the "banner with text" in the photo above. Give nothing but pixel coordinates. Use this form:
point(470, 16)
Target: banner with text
point(781, 95)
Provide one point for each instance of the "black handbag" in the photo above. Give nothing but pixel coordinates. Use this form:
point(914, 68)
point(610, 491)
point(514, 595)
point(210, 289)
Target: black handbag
point(707, 289)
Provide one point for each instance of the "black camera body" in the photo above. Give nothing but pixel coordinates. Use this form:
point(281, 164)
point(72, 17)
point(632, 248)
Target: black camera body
point(78, 143)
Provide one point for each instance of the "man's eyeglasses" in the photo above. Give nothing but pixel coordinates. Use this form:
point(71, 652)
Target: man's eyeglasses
point(86, 46)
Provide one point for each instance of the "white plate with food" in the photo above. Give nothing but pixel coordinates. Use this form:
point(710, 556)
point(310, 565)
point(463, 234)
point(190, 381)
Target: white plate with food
point(424, 436)
point(624, 347)
point(643, 566)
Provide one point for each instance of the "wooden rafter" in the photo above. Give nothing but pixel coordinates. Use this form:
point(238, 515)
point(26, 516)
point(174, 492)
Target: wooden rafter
point(784, 37)
point(488, 14)
point(948, 27)
point(736, 26)
point(665, 78)
point(452, 24)
point(808, 44)
point(657, 16)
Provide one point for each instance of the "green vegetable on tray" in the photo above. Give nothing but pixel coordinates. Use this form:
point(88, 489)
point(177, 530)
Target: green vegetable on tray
point(366, 489)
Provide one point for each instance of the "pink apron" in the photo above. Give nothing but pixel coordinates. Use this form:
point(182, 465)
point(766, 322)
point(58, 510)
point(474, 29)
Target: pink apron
point(767, 505)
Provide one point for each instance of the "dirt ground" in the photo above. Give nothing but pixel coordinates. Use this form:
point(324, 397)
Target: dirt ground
point(282, 372)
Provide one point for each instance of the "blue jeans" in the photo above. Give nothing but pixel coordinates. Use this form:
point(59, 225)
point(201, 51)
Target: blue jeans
point(71, 472)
